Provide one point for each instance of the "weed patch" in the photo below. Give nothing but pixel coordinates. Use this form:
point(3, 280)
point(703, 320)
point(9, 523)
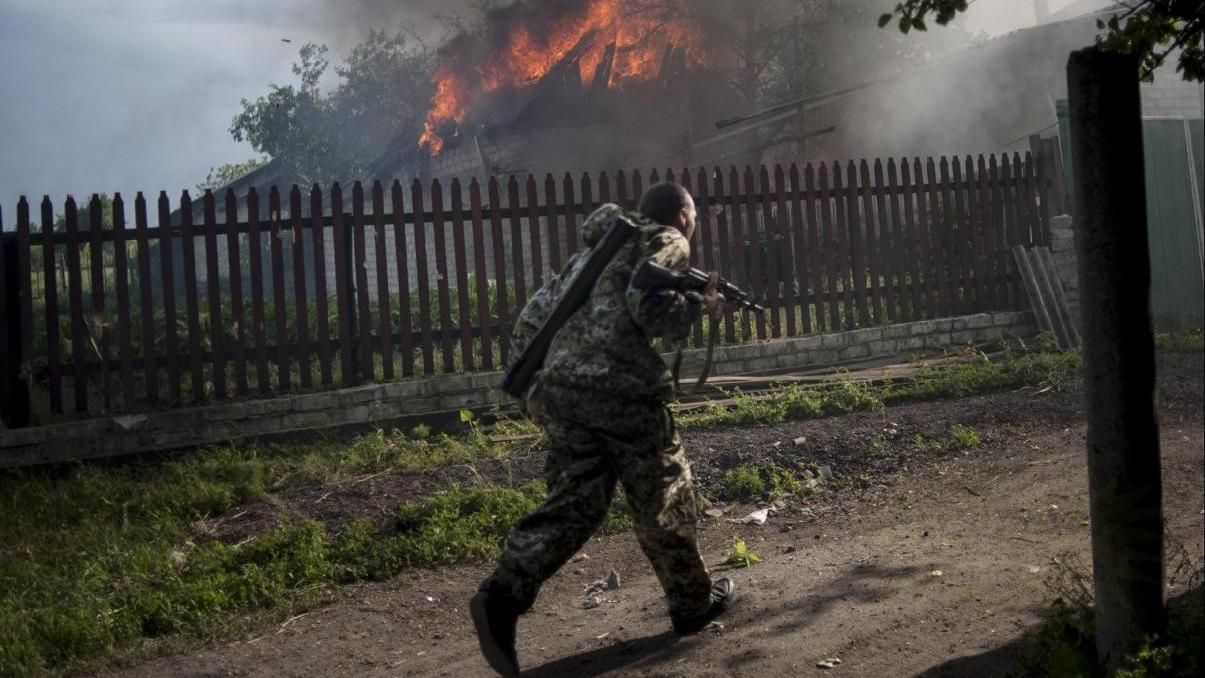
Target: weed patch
point(789, 402)
point(150, 586)
point(1042, 369)
point(740, 555)
point(1064, 644)
point(1188, 341)
point(957, 439)
point(757, 481)
point(964, 437)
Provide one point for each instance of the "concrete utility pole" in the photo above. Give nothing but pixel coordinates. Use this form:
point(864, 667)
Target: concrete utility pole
point(1119, 353)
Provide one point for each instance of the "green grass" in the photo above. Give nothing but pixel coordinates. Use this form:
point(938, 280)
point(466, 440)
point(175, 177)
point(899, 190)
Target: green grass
point(957, 439)
point(1040, 369)
point(1184, 341)
point(94, 558)
point(98, 592)
point(1064, 643)
point(785, 403)
point(964, 437)
point(748, 481)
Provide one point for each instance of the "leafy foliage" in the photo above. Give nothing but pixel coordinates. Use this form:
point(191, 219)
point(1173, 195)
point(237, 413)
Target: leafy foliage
point(750, 482)
point(1064, 644)
point(382, 94)
point(1149, 29)
point(226, 174)
point(83, 215)
point(740, 555)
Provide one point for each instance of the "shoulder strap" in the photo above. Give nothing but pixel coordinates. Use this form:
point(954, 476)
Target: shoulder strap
point(577, 290)
point(713, 333)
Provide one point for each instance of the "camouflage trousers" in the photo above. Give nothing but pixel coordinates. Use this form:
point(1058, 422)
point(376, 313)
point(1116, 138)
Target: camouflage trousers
point(595, 442)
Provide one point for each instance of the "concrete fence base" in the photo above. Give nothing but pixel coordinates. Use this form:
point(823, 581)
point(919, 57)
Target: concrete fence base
point(381, 404)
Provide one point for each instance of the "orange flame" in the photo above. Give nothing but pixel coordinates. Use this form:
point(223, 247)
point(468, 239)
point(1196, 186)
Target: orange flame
point(639, 29)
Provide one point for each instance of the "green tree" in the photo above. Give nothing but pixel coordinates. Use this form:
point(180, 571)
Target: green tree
point(1149, 29)
point(83, 215)
point(382, 94)
point(226, 174)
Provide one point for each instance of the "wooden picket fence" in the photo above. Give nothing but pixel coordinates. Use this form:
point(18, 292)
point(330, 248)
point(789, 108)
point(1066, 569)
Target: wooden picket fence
point(430, 282)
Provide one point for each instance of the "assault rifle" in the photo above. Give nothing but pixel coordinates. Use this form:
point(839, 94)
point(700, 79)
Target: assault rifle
point(652, 276)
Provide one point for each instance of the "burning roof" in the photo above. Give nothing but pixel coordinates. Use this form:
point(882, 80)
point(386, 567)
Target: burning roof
point(606, 43)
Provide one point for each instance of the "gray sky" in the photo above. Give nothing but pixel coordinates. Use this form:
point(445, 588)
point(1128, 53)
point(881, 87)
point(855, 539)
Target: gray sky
point(128, 95)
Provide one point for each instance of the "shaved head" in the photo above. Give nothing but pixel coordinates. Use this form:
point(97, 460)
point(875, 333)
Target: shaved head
point(669, 204)
point(662, 202)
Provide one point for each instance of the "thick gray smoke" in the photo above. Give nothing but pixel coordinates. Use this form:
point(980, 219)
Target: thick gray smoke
point(347, 22)
point(986, 90)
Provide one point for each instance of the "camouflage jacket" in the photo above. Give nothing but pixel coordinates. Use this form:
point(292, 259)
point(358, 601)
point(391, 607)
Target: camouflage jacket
point(606, 347)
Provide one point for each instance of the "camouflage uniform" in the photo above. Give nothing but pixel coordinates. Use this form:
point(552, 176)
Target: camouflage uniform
point(602, 399)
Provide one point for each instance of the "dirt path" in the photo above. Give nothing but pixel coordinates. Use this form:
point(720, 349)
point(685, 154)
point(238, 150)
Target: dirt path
point(934, 570)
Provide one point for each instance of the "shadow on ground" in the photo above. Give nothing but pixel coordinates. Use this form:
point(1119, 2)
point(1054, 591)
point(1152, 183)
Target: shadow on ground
point(659, 648)
point(996, 663)
point(862, 583)
point(1044, 649)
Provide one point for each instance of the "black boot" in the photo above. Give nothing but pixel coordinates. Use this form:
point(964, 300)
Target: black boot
point(722, 593)
point(495, 622)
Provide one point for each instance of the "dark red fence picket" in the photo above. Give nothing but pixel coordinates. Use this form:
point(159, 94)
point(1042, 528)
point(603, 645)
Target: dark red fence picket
point(221, 299)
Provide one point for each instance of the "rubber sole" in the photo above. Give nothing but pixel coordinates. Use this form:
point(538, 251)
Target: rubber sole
point(495, 655)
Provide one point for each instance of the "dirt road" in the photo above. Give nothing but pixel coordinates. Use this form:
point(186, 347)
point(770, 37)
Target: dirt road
point(934, 566)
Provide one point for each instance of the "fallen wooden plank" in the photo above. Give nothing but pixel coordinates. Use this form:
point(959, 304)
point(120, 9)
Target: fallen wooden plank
point(1060, 296)
point(1033, 291)
point(1058, 315)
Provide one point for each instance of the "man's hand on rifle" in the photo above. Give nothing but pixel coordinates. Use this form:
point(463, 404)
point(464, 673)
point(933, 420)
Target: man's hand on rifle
point(713, 300)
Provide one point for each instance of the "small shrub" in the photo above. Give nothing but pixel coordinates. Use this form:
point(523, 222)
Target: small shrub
point(782, 483)
point(750, 481)
point(740, 555)
point(619, 517)
point(847, 396)
point(742, 482)
point(462, 523)
point(803, 403)
point(964, 437)
point(1064, 645)
point(930, 446)
point(1046, 341)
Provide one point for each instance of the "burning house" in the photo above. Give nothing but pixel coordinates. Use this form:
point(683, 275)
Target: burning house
point(571, 87)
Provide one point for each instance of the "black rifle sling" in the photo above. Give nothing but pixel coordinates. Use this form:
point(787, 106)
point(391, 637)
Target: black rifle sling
point(520, 376)
point(713, 333)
